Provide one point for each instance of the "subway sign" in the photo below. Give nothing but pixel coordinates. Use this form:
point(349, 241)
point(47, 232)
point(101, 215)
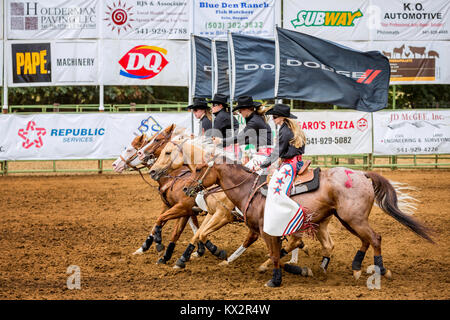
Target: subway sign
point(31, 62)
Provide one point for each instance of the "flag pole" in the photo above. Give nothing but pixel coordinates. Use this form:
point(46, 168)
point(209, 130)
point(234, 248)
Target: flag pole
point(230, 77)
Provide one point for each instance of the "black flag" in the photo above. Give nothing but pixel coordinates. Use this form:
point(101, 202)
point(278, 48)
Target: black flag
point(316, 70)
point(222, 81)
point(253, 63)
point(201, 77)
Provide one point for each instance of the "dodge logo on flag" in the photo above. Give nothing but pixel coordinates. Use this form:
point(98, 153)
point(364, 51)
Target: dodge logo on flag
point(143, 62)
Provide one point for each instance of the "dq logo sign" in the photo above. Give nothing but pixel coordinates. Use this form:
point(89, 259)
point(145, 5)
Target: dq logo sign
point(143, 62)
point(32, 135)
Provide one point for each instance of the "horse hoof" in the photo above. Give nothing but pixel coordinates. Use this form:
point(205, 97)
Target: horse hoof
point(356, 274)
point(271, 284)
point(161, 261)
point(262, 269)
point(224, 263)
point(159, 247)
point(388, 274)
point(307, 272)
point(195, 255)
point(138, 251)
point(222, 255)
point(179, 264)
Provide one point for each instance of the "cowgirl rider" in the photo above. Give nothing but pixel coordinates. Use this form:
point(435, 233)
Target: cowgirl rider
point(256, 131)
point(202, 112)
point(282, 215)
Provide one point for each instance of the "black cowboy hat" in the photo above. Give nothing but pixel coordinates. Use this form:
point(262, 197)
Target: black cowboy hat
point(246, 102)
point(199, 103)
point(219, 99)
point(282, 110)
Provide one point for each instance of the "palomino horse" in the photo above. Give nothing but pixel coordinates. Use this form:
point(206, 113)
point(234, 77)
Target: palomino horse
point(346, 194)
point(175, 201)
point(218, 207)
point(187, 152)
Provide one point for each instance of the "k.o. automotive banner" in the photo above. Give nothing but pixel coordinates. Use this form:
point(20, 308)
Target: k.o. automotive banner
point(137, 19)
point(78, 136)
point(336, 133)
point(411, 132)
point(215, 18)
point(53, 19)
point(49, 63)
point(145, 62)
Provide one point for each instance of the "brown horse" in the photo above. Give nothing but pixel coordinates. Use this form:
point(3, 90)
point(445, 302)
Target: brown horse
point(344, 193)
point(184, 150)
point(176, 204)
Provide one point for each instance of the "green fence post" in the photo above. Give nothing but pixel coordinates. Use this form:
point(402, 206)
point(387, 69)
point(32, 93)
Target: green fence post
point(100, 166)
point(54, 166)
point(394, 89)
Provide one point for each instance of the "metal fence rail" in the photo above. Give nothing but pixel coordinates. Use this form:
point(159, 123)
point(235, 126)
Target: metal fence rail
point(358, 161)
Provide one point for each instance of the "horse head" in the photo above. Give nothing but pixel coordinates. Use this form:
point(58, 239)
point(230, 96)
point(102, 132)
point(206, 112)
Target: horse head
point(150, 151)
point(128, 158)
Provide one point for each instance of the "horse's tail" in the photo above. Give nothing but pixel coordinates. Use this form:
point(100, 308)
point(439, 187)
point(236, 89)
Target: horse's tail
point(386, 199)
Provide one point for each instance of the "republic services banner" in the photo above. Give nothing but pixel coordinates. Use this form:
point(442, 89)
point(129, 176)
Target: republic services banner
point(411, 132)
point(145, 62)
point(253, 63)
point(202, 77)
point(52, 19)
point(221, 67)
point(78, 136)
point(316, 70)
point(215, 18)
point(336, 133)
point(51, 63)
point(136, 19)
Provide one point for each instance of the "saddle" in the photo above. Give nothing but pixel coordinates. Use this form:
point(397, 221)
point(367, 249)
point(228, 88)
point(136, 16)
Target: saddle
point(306, 180)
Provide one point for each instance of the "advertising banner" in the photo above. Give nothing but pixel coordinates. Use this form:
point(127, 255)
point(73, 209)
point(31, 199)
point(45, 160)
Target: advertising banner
point(253, 63)
point(328, 19)
point(145, 62)
point(414, 20)
point(317, 70)
point(411, 132)
point(51, 63)
point(52, 19)
point(221, 72)
point(202, 77)
point(215, 18)
point(136, 19)
point(336, 132)
point(78, 136)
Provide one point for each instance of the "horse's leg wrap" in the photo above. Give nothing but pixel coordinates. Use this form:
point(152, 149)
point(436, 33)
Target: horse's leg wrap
point(168, 253)
point(185, 257)
point(325, 262)
point(378, 261)
point(158, 236)
point(296, 269)
point(200, 248)
point(357, 260)
point(147, 243)
point(276, 278)
point(221, 254)
point(283, 252)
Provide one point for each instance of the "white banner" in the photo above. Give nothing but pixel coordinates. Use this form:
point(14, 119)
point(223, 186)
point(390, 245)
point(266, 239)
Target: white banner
point(78, 136)
point(51, 63)
point(213, 19)
point(52, 19)
point(328, 19)
point(411, 132)
point(136, 19)
point(145, 62)
point(336, 133)
point(410, 20)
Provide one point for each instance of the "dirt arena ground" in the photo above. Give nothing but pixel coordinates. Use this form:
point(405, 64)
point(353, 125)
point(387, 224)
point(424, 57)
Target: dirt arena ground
point(48, 223)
